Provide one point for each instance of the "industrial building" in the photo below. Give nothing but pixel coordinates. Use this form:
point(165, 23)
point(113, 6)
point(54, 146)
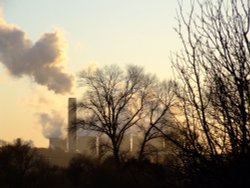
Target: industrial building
point(92, 144)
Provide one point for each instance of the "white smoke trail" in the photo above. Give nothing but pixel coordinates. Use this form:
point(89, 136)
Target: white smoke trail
point(41, 60)
point(52, 124)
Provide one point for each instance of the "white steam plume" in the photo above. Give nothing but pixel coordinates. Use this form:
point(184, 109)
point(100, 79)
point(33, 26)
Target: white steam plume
point(49, 110)
point(51, 124)
point(41, 60)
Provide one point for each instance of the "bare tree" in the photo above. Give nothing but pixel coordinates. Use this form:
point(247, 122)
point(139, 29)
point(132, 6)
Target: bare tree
point(20, 164)
point(113, 102)
point(157, 115)
point(214, 70)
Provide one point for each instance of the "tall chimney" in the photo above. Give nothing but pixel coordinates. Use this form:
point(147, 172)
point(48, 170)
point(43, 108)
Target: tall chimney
point(72, 124)
point(97, 145)
point(131, 143)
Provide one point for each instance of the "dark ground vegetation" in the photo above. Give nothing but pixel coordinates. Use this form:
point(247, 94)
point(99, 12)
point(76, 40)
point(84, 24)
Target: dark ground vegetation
point(23, 166)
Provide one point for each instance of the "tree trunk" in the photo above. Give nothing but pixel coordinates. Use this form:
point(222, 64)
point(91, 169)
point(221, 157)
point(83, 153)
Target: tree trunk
point(141, 152)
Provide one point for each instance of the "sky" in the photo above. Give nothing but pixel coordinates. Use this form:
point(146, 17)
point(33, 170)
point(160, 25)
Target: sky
point(44, 44)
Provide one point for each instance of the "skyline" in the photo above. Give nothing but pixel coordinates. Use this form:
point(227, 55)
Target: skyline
point(93, 33)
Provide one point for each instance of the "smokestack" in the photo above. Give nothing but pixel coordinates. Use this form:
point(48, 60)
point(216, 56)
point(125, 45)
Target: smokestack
point(72, 125)
point(97, 145)
point(131, 143)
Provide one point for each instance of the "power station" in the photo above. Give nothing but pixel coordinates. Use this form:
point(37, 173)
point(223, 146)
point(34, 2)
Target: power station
point(90, 143)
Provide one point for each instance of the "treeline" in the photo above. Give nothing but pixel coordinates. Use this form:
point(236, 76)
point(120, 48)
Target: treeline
point(23, 166)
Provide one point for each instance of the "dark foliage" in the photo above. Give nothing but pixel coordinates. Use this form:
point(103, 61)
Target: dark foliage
point(22, 166)
point(228, 173)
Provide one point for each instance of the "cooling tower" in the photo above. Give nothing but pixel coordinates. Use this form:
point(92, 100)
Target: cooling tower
point(72, 124)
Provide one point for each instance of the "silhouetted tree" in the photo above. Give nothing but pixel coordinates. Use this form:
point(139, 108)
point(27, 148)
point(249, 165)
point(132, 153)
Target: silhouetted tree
point(158, 113)
point(81, 171)
point(214, 70)
point(22, 166)
point(113, 102)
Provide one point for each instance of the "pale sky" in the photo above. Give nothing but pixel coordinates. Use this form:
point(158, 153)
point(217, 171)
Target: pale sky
point(96, 32)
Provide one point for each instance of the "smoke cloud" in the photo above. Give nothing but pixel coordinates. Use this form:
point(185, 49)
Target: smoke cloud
point(42, 60)
point(51, 124)
point(49, 111)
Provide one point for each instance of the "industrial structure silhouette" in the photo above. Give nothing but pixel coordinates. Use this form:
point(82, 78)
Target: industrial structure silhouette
point(92, 144)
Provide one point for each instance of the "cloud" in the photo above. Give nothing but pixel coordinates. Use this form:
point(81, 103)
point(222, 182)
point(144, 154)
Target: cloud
point(49, 110)
point(52, 124)
point(42, 60)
